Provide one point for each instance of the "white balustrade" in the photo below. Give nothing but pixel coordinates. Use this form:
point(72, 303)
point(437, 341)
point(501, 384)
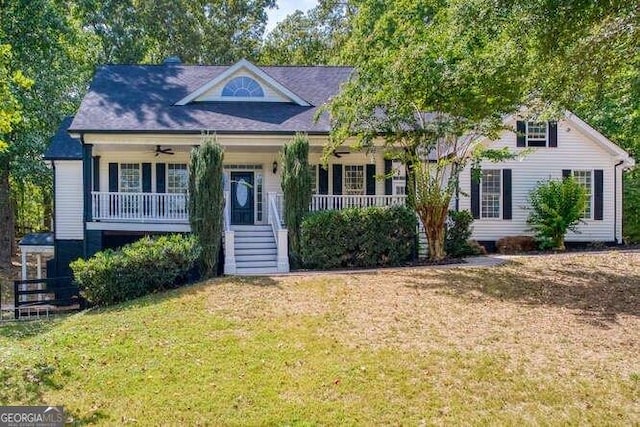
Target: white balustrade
point(147, 207)
point(322, 202)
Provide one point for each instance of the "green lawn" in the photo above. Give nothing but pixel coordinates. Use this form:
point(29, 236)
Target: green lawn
point(543, 340)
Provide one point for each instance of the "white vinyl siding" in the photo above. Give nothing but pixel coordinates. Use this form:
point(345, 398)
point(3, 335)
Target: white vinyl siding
point(69, 214)
point(575, 151)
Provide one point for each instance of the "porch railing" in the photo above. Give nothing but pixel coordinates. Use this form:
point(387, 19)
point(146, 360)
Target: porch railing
point(169, 207)
point(322, 202)
point(280, 233)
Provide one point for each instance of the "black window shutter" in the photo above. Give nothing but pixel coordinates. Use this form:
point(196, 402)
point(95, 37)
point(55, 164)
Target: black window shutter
point(371, 179)
point(566, 173)
point(113, 177)
point(96, 173)
point(146, 177)
point(323, 180)
point(553, 134)
point(475, 197)
point(506, 194)
point(160, 178)
point(598, 188)
point(337, 179)
point(388, 181)
point(521, 136)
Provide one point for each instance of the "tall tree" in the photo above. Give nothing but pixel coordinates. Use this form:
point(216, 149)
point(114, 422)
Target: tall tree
point(430, 83)
point(10, 116)
point(206, 201)
point(296, 186)
point(312, 38)
point(49, 48)
point(198, 31)
point(586, 58)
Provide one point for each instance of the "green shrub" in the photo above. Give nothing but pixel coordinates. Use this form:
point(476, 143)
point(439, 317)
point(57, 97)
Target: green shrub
point(366, 237)
point(631, 200)
point(296, 185)
point(457, 242)
point(148, 265)
point(556, 206)
point(206, 201)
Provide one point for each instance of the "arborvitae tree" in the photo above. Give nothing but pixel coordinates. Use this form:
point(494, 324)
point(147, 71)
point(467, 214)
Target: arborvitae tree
point(206, 201)
point(296, 185)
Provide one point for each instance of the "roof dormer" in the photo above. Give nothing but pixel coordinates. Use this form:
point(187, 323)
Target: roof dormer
point(244, 82)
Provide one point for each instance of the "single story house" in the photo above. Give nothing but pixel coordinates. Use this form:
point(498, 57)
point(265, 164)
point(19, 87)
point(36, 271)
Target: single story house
point(121, 163)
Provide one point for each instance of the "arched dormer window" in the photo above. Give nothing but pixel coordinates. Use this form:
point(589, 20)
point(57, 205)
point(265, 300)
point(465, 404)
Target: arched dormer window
point(243, 87)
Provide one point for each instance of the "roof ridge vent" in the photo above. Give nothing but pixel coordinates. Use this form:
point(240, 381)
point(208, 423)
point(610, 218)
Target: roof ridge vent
point(174, 59)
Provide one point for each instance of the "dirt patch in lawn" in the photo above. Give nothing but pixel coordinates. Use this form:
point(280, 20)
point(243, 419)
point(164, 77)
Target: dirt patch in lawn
point(538, 310)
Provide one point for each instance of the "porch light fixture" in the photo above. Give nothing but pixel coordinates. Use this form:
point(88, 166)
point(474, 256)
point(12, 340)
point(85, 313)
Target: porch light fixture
point(275, 166)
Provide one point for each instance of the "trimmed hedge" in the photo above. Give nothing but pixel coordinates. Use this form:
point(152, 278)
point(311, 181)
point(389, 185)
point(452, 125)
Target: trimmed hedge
point(364, 237)
point(143, 267)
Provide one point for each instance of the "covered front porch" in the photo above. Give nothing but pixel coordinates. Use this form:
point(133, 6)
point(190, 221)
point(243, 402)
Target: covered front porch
point(144, 188)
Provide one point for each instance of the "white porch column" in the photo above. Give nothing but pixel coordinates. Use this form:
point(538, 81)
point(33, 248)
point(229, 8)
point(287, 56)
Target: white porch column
point(39, 259)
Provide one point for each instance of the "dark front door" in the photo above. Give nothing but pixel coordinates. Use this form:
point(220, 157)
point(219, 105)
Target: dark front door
point(241, 197)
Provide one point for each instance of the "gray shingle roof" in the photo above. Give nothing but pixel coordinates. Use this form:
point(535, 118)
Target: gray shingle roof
point(37, 239)
point(141, 98)
point(62, 146)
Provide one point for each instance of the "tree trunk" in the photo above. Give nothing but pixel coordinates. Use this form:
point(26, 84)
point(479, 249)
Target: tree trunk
point(433, 219)
point(6, 217)
point(48, 209)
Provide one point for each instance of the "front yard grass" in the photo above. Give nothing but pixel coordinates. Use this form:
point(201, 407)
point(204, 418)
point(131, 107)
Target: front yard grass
point(541, 340)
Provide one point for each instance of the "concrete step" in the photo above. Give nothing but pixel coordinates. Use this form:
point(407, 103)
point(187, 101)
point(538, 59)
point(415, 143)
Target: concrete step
point(268, 257)
point(255, 271)
point(255, 245)
point(243, 239)
point(256, 251)
point(257, 264)
point(250, 227)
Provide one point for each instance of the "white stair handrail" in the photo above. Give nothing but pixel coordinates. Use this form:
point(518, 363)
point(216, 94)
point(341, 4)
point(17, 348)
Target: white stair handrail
point(280, 233)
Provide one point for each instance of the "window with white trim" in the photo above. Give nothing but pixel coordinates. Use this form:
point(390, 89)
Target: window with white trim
point(490, 193)
point(353, 180)
point(537, 134)
point(583, 177)
point(399, 178)
point(243, 87)
point(177, 178)
point(130, 178)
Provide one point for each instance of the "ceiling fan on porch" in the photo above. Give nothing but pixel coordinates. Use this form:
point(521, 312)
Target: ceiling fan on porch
point(160, 150)
point(338, 153)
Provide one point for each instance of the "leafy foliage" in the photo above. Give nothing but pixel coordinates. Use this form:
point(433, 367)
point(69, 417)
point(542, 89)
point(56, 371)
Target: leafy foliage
point(206, 201)
point(458, 233)
point(556, 206)
point(296, 185)
point(197, 31)
point(365, 237)
point(430, 83)
point(314, 38)
point(146, 266)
